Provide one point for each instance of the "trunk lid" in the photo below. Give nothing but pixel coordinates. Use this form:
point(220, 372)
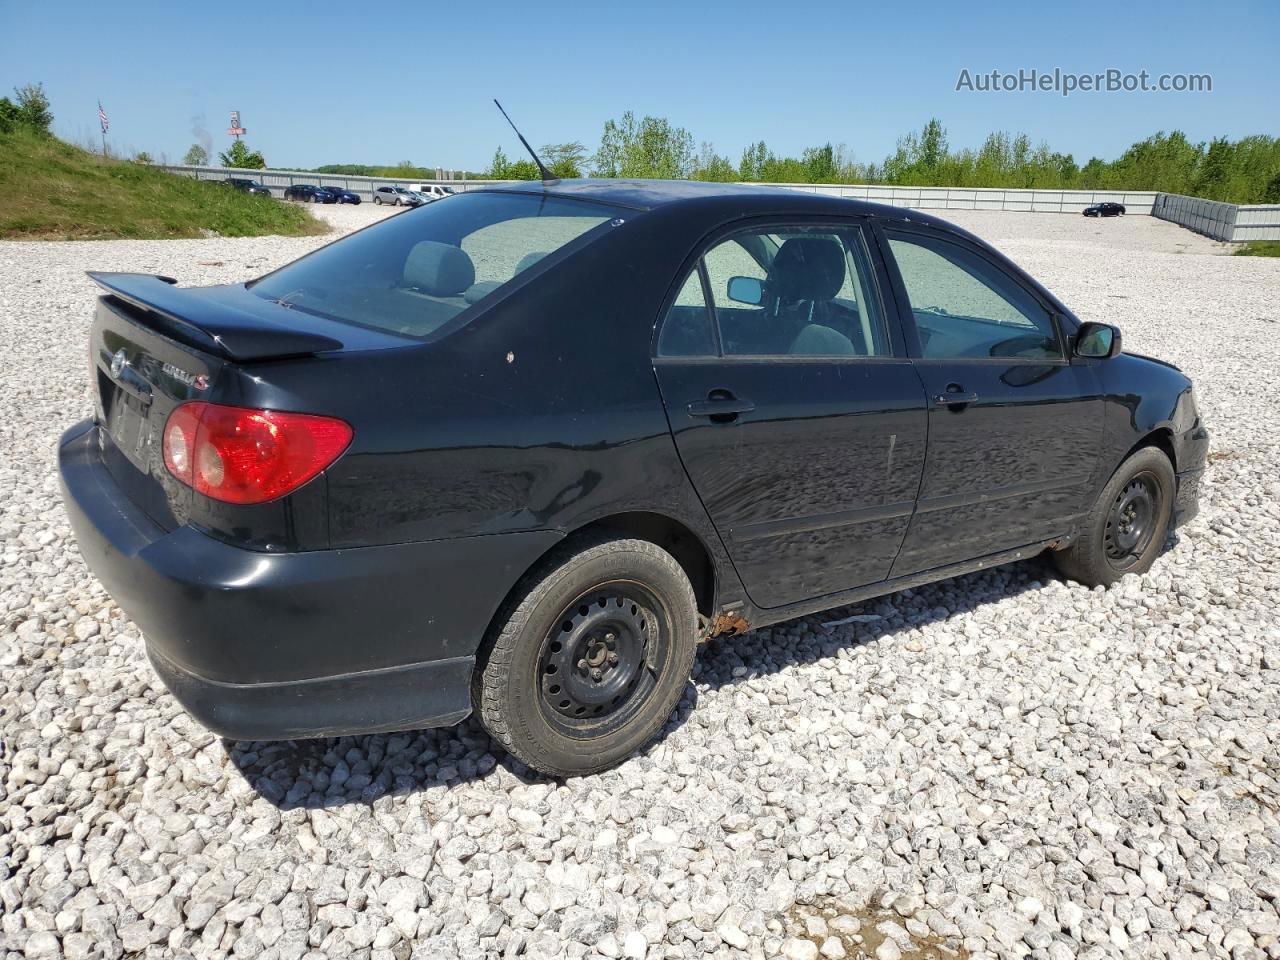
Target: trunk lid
point(226, 321)
point(154, 346)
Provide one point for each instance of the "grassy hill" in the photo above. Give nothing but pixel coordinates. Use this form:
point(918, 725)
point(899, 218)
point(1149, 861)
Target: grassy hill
point(51, 190)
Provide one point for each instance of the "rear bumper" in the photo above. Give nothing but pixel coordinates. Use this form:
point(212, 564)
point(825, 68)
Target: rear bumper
point(401, 698)
point(280, 645)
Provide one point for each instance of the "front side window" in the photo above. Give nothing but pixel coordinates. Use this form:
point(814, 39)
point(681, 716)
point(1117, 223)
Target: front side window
point(801, 292)
point(967, 308)
point(414, 273)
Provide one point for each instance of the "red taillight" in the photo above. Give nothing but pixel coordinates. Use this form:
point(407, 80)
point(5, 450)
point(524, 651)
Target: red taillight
point(239, 455)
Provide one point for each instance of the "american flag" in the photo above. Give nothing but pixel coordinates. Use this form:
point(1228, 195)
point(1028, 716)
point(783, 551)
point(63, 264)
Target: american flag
point(102, 117)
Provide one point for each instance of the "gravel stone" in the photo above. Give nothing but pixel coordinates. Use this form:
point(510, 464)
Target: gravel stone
point(1013, 763)
point(797, 949)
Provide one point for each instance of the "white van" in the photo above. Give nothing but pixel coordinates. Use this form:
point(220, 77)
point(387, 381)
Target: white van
point(432, 191)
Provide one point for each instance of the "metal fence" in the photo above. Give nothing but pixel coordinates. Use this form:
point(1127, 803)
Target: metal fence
point(1222, 221)
point(919, 198)
point(1257, 222)
point(279, 180)
point(984, 198)
point(1233, 223)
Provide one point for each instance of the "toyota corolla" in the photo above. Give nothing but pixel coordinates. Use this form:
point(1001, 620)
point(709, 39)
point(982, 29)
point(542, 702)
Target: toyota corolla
point(518, 453)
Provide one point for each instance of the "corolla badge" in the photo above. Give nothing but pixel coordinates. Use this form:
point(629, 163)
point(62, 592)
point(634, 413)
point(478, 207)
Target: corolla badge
point(119, 360)
point(197, 380)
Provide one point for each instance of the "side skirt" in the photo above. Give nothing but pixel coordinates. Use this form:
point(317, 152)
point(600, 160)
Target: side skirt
point(749, 618)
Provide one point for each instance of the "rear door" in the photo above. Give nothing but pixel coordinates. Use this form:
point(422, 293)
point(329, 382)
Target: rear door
point(794, 408)
point(1014, 427)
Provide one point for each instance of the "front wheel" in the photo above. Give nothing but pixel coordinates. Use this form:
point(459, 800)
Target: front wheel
point(586, 664)
point(1127, 526)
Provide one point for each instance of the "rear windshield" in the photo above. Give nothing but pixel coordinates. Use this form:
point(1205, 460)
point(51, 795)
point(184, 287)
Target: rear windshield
point(413, 273)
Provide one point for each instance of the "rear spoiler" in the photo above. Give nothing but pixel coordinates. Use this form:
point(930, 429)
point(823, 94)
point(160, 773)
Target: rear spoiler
point(227, 321)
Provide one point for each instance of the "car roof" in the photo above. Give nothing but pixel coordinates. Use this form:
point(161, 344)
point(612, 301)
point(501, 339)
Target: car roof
point(651, 194)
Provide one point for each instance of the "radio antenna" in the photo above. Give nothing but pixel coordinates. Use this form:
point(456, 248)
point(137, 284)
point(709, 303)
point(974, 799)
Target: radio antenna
point(547, 176)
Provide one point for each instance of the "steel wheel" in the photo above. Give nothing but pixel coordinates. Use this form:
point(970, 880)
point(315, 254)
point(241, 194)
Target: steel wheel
point(1131, 521)
point(1124, 530)
point(585, 665)
point(596, 666)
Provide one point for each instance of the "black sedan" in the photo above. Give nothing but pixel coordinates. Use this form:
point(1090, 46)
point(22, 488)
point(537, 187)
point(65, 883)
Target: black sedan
point(310, 193)
point(342, 194)
point(247, 186)
point(1107, 209)
point(519, 453)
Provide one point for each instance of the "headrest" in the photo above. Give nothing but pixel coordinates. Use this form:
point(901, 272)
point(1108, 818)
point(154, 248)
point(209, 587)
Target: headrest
point(806, 268)
point(438, 269)
point(480, 289)
point(529, 259)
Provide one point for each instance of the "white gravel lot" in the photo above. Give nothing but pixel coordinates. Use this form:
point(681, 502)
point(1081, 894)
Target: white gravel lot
point(999, 765)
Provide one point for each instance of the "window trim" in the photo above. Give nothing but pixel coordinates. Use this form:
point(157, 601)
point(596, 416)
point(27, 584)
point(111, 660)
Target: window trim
point(907, 319)
point(878, 280)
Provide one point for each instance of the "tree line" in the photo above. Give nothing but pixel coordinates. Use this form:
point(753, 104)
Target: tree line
point(1235, 171)
point(28, 110)
point(1240, 171)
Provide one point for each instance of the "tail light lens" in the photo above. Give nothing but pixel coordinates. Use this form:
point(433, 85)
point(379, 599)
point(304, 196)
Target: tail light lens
point(240, 455)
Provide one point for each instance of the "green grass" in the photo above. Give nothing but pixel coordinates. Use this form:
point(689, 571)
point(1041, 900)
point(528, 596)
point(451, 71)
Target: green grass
point(1259, 248)
point(51, 190)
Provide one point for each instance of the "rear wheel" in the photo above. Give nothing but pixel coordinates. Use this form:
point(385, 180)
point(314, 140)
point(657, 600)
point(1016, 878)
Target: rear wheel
point(1127, 526)
point(588, 662)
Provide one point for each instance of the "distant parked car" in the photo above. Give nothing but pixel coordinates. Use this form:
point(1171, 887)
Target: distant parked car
point(310, 193)
point(1107, 209)
point(398, 197)
point(432, 191)
point(248, 186)
point(343, 195)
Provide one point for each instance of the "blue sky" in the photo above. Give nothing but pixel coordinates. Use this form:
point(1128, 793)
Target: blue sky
point(329, 83)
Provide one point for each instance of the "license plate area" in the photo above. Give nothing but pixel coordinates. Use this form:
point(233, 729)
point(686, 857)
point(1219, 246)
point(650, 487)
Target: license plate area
point(127, 422)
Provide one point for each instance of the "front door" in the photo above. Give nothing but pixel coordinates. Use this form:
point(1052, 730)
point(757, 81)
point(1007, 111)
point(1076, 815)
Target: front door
point(1014, 427)
point(795, 411)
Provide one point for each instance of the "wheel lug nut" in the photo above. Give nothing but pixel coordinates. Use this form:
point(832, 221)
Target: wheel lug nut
point(582, 664)
point(595, 674)
point(613, 658)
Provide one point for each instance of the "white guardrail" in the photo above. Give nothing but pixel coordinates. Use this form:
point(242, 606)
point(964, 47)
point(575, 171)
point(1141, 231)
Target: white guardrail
point(1221, 221)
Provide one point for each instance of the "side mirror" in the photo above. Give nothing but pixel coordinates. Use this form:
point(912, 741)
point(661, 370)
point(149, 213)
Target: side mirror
point(746, 290)
point(1097, 341)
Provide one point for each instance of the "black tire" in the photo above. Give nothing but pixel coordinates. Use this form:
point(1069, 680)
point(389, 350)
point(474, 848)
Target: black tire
point(588, 661)
point(1125, 530)
point(377, 201)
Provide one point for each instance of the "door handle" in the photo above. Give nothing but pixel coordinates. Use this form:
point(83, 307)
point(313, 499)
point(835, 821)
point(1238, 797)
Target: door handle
point(721, 406)
point(954, 397)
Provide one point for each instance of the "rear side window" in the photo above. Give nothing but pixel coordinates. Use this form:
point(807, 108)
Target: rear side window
point(686, 331)
point(966, 308)
point(413, 273)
